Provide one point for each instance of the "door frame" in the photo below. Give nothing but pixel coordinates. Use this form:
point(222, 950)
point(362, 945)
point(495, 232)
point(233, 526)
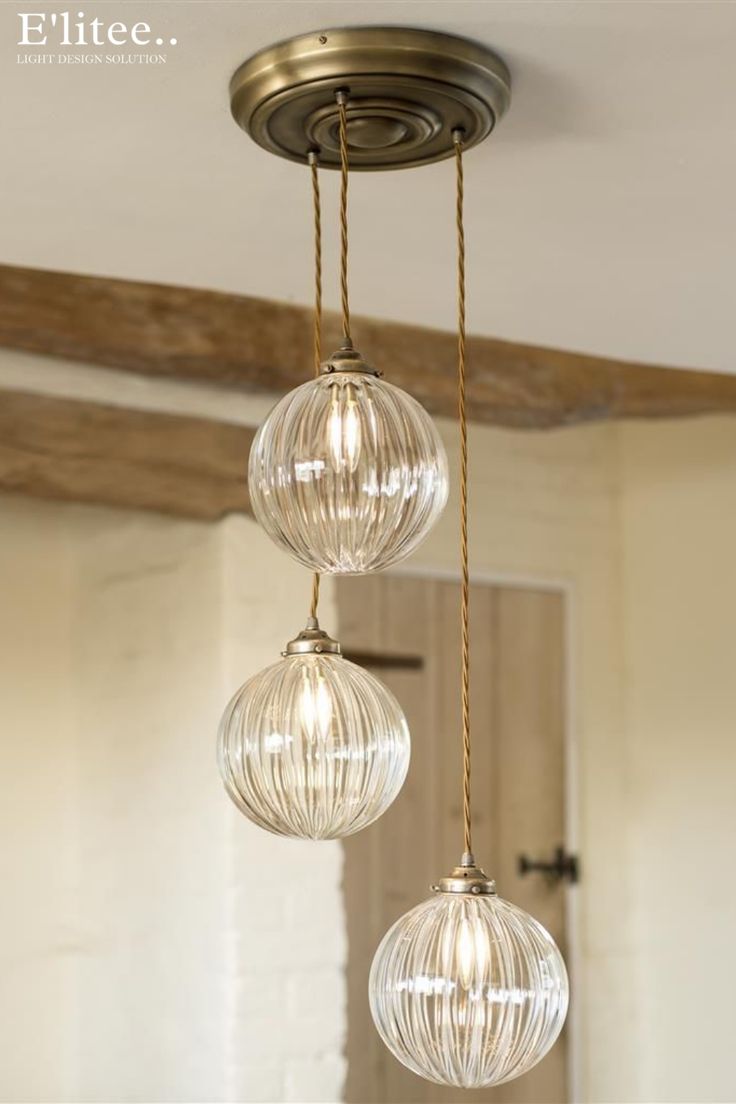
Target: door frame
point(565, 587)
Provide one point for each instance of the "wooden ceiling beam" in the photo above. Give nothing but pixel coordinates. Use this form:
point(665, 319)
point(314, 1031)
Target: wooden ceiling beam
point(257, 345)
point(78, 451)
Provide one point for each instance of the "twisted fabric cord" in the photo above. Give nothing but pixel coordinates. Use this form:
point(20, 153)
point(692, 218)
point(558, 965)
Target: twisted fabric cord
point(465, 575)
point(342, 100)
point(317, 205)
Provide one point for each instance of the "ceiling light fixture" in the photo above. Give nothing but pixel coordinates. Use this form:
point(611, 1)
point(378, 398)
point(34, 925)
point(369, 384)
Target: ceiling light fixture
point(348, 474)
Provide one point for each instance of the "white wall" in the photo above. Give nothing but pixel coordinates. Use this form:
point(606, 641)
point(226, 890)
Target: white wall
point(679, 589)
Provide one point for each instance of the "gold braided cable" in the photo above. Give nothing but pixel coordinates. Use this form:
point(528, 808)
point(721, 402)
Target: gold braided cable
point(315, 596)
point(463, 420)
point(317, 204)
point(317, 208)
point(342, 100)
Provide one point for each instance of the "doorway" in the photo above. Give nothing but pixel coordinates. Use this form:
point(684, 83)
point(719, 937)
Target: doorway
point(406, 630)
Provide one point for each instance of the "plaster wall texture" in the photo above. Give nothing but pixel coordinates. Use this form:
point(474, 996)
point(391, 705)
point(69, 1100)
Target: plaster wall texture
point(154, 944)
point(679, 551)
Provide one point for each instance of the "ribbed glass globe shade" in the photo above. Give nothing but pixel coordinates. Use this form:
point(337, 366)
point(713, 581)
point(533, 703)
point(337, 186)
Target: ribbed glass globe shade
point(468, 991)
point(348, 474)
point(314, 747)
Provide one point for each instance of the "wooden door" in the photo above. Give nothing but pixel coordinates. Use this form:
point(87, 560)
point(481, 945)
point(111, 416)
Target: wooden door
point(517, 707)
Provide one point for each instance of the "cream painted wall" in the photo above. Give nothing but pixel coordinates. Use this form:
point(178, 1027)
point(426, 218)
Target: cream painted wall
point(155, 946)
point(679, 589)
point(151, 986)
point(39, 870)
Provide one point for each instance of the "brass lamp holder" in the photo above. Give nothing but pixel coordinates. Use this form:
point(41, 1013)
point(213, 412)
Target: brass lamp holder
point(312, 640)
point(407, 91)
point(347, 359)
point(467, 878)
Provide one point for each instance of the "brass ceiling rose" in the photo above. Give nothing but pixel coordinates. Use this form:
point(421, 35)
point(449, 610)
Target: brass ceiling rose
point(407, 90)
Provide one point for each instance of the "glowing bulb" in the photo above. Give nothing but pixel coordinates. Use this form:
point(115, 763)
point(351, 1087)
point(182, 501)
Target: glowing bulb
point(471, 950)
point(316, 705)
point(343, 431)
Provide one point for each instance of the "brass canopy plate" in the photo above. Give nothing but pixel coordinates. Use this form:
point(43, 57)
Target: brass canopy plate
point(407, 91)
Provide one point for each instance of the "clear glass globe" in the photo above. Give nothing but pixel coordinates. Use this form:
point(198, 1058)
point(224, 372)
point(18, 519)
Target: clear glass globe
point(313, 747)
point(348, 474)
point(468, 991)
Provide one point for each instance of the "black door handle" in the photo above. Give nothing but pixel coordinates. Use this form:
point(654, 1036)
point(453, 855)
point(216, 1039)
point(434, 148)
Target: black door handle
point(562, 866)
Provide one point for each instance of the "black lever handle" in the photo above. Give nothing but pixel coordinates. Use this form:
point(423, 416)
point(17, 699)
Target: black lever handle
point(562, 866)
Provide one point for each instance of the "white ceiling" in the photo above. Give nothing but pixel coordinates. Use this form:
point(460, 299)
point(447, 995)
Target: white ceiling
point(601, 215)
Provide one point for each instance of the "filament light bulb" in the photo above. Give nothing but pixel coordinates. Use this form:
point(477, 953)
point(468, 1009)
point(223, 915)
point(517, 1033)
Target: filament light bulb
point(471, 951)
point(316, 704)
point(344, 429)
